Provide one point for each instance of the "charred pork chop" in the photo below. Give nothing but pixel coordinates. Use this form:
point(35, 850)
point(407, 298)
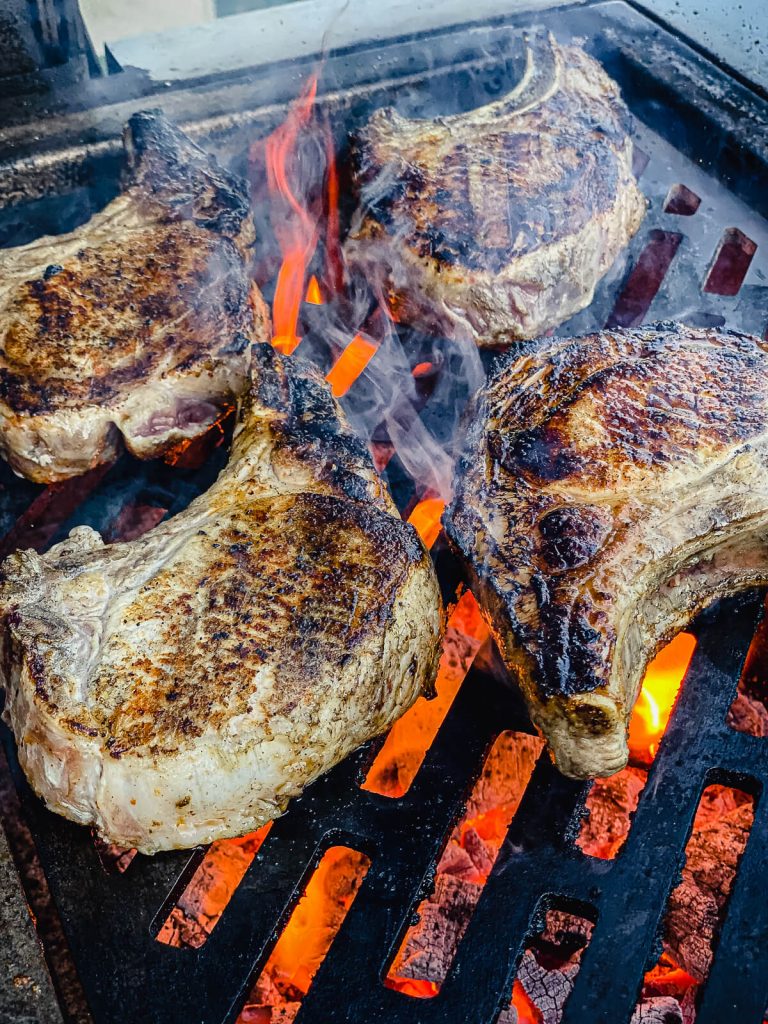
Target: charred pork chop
point(611, 486)
point(184, 686)
point(136, 327)
point(498, 223)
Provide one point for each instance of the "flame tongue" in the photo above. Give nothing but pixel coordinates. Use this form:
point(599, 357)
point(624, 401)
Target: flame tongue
point(657, 697)
point(295, 228)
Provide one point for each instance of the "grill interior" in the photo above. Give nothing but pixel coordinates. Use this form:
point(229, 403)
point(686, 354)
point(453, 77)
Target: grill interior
point(696, 127)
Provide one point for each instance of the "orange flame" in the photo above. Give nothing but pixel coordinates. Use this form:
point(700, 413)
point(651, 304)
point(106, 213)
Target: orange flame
point(334, 259)
point(314, 295)
point(426, 518)
point(350, 364)
point(422, 369)
point(296, 230)
point(662, 681)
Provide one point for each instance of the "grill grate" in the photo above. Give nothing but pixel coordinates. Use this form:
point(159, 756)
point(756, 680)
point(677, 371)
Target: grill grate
point(698, 129)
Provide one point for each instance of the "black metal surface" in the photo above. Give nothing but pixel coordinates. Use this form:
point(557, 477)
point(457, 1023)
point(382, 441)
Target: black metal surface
point(689, 110)
point(44, 46)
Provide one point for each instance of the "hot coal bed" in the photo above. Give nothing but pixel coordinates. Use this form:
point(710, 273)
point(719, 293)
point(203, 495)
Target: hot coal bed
point(446, 872)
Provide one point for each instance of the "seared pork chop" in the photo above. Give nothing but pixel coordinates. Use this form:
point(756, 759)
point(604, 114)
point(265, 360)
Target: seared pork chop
point(498, 223)
point(136, 327)
point(184, 686)
point(611, 486)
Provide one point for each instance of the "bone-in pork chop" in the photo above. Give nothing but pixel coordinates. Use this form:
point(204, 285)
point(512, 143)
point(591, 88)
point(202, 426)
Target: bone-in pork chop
point(182, 687)
point(135, 328)
point(498, 223)
point(611, 486)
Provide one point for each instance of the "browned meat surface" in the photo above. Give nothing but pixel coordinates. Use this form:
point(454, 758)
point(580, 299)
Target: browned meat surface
point(182, 687)
point(498, 223)
point(135, 328)
point(611, 486)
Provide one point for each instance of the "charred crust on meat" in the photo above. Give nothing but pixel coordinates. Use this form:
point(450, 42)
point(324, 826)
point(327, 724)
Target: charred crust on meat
point(607, 416)
point(310, 426)
point(571, 536)
point(200, 291)
point(284, 617)
point(182, 176)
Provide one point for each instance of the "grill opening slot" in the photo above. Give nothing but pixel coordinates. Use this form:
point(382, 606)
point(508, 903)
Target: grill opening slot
point(610, 807)
point(397, 763)
point(644, 279)
point(307, 937)
point(429, 946)
point(199, 907)
point(681, 201)
point(698, 904)
point(730, 263)
point(658, 694)
point(550, 961)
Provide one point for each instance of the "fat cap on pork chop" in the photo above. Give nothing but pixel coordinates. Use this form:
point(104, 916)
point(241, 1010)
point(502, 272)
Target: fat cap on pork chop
point(497, 223)
point(610, 487)
point(135, 328)
point(183, 687)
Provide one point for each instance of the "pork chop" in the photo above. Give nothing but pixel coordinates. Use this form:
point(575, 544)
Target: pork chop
point(611, 486)
point(182, 687)
point(499, 222)
point(134, 329)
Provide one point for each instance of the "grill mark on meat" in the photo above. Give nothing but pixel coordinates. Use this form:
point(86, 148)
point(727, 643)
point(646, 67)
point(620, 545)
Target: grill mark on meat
point(611, 486)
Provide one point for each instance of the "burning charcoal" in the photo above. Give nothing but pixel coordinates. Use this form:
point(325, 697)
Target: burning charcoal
point(610, 806)
point(203, 901)
point(508, 1015)
point(474, 844)
point(749, 711)
point(443, 920)
point(547, 988)
point(696, 904)
point(549, 966)
point(658, 1010)
point(749, 715)
point(564, 934)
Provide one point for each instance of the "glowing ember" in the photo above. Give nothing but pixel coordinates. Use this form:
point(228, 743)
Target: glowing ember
point(429, 946)
point(295, 228)
point(306, 939)
point(314, 295)
point(527, 1011)
point(610, 806)
point(350, 364)
point(210, 889)
point(696, 906)
point(409, 739)
point(426, 518)
point(414, 987)
point(422, 369)
point(657, 697)
point(194, 452)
